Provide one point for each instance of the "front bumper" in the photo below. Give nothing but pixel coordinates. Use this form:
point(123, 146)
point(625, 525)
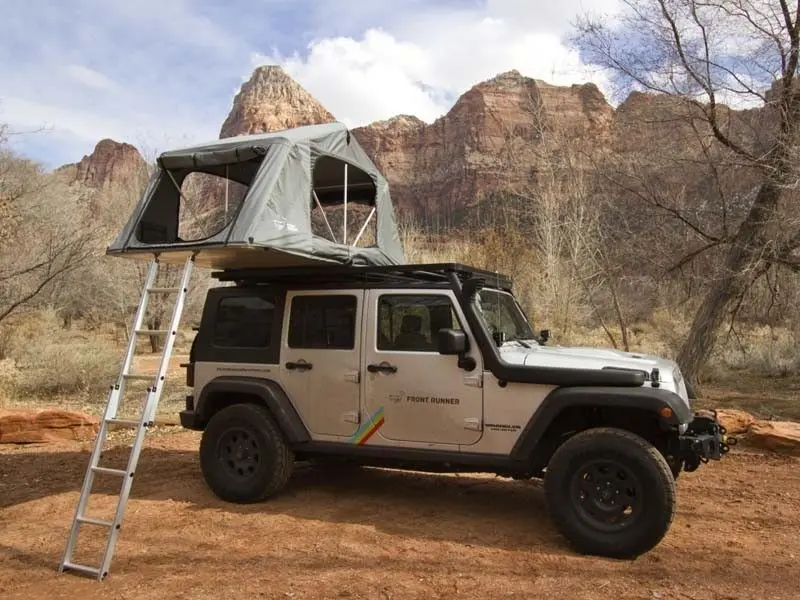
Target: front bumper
point(705, 439)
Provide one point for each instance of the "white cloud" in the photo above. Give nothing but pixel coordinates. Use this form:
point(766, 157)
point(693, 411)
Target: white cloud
point(177, 20)
point(90, 77)
point(419, 65)
point(365, 80)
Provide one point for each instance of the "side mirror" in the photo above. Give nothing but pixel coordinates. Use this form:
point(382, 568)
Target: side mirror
point(544, 335)
point(452, 341)
point(499, 337)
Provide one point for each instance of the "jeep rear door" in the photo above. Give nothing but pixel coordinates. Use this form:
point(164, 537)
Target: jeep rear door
point(423, 396)
point(320, 358)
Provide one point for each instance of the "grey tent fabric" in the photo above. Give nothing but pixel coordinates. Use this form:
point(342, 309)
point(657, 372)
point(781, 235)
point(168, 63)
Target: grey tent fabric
point(273, 223)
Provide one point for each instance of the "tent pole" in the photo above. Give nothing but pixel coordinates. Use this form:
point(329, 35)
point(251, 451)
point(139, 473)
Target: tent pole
point(181, 196)
point(324, 216)
point(344, 237)
point(364, 226)
point(227, 181)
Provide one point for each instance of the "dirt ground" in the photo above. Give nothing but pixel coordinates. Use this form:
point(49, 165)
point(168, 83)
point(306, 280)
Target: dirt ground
point(373, 533)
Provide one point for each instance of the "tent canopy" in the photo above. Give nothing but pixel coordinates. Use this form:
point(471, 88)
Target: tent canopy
point(307, 195)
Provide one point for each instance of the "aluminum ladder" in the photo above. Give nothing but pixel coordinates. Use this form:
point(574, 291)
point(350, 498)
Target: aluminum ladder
point(146, 418)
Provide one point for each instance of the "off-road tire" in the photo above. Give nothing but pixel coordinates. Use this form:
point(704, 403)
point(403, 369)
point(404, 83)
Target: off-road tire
point(244, 456)
point(605, 455)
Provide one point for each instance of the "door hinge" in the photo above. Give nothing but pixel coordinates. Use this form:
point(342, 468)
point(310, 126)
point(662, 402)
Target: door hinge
point(473, 424)
point(353, 376)
point(352, 417)
point(474, 380)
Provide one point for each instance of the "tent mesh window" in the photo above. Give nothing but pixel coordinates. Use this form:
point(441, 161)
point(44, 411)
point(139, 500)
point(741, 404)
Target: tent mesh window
point(195, 203)
point(343, 203)
point(209, 204)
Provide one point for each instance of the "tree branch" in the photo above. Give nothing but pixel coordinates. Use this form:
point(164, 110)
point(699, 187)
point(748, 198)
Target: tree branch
point(692, 255)
point(672, 211)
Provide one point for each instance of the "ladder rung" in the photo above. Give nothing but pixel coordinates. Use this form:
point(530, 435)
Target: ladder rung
point(151, 331)
point(91, 521)
point(164, 290)
point(107, 471)
point(82, 568)
point(125, 422)
point(140, 376)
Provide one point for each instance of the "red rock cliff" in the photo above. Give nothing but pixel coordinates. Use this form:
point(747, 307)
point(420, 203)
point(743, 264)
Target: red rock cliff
point(489, 141)
point(111, 163)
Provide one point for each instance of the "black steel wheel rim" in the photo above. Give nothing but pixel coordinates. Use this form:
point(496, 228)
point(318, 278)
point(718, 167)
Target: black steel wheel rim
point(239, 452)
point(606, 494)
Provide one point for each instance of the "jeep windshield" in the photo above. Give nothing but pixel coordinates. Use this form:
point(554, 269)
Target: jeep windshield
point(502, 316)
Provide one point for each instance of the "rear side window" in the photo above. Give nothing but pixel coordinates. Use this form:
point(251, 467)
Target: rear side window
point(323, 322)
point(244, 322)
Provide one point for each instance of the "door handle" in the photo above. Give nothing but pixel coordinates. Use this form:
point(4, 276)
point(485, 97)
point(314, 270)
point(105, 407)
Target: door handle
point(385, 367)
point(300, 365)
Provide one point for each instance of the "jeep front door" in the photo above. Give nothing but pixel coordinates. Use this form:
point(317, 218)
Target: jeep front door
point(320, 358)
point(423, 396)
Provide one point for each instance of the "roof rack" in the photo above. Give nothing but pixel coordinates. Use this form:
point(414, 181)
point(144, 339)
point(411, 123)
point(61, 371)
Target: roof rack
point(414, 273)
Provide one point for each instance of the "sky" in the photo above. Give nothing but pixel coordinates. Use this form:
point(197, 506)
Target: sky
point(163, 73)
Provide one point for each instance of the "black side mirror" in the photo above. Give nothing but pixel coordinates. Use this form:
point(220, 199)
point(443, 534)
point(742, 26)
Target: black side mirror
point(499, 337)
point(544, 335)
point(452, 341)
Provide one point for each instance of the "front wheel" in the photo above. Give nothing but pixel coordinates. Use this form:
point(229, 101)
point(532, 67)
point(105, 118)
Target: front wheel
point(610, 493)
point(243, 454)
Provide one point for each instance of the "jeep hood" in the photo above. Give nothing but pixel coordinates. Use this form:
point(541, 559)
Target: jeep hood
point(670, 377)
point(584, 358)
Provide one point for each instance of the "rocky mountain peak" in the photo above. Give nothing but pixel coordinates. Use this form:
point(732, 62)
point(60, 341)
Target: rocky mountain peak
point(271, 101)
point(110, 163)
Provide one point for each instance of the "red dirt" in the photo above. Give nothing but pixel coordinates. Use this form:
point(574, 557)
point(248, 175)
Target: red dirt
point(375, 533)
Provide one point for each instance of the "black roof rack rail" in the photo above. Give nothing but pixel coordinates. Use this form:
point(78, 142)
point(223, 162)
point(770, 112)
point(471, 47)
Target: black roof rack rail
point(413, 273)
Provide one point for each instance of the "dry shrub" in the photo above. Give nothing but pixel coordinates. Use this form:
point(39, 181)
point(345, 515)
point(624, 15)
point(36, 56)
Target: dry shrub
point(51, 360)
point(9, 375)
point(767, 350)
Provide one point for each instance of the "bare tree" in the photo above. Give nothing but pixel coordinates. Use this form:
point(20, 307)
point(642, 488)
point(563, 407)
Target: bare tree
point(42, 235)
point(706, 53)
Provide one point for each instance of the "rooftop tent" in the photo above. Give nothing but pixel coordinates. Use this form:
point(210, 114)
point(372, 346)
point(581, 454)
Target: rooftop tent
point(307, 195)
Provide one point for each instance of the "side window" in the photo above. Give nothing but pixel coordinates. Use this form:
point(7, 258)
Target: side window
point(244, 322)
point(323, 322)
point(411, 322)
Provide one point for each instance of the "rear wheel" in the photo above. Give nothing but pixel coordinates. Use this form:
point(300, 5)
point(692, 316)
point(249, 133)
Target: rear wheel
point(610, 493)
point(244, 456)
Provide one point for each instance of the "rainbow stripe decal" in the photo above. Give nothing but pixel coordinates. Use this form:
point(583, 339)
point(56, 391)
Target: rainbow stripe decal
point(368, 428)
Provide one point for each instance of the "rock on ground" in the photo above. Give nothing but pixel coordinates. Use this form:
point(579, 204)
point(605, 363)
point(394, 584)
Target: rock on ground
point(735, 421)
point(779, 436)
point(45, 425)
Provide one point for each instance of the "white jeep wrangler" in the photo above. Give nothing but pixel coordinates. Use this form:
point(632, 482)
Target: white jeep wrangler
point(435, 367)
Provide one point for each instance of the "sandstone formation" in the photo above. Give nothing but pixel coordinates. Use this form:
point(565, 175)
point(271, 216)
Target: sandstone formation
point(782, 437)
point(490, 141)
point(46, 425)
point(502, 137)
point(271, 101)
point(735, 421)
point(111, 163)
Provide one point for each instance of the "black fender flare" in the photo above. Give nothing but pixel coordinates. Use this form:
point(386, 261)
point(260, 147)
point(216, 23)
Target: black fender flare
point(269, 392)
point(644, 398)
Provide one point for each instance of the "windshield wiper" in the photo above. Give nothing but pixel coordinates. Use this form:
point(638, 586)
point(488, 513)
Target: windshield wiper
point(519, 340)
